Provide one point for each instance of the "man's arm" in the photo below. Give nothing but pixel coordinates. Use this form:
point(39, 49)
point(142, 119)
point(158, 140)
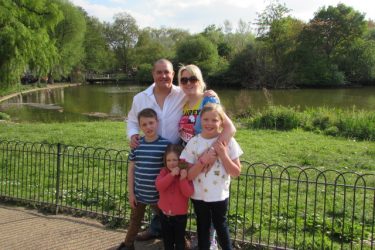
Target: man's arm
point(132, 127)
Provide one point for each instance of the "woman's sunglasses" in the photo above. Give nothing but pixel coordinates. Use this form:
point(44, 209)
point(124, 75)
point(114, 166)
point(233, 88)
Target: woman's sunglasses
point(191, 79)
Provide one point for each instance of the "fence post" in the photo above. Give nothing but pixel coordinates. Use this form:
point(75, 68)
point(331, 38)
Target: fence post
point(58, 177)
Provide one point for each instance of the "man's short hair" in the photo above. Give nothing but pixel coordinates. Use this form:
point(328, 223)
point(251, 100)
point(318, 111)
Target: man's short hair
point(147, 112)
point(163, 60)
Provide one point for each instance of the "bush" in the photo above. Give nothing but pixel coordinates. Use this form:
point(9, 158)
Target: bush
point(330, 121)
point(280, 118)
point(357, 124)
point(4, 116)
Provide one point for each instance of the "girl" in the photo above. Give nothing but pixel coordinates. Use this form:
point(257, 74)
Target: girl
point(174, 192)
point(211, 182)
point(191, 81)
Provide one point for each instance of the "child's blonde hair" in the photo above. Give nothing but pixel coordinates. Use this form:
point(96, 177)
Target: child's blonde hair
point(214, 107)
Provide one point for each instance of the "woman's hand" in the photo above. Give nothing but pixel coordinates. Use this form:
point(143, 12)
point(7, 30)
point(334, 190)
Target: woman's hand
point(208, 157)
point(220, 148)
point(210, 93)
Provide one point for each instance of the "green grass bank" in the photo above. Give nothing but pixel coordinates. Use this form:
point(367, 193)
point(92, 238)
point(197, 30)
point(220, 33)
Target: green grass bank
point(292, 147)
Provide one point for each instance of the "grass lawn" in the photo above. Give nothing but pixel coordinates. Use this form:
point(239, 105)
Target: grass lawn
point(285, 208)
point(294, 147)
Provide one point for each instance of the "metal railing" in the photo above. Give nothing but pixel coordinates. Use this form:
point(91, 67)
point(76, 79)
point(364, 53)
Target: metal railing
point(270, 206)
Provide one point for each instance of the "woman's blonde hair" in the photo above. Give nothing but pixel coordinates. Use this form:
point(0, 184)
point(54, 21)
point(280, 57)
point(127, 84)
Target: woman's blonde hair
point(194, 71)
point(214, 107)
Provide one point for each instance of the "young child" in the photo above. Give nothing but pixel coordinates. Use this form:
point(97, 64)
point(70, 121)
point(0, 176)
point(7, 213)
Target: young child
point(211, 182)
point(146, 160)
point(174, 191)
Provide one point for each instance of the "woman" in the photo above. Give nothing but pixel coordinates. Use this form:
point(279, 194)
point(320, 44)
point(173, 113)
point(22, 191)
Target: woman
point(191, 82)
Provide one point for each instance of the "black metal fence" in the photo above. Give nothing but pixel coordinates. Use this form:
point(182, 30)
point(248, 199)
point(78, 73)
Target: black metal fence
point(270, 205)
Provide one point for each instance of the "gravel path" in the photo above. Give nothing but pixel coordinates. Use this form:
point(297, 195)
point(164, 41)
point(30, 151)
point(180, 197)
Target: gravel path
point(22, 228)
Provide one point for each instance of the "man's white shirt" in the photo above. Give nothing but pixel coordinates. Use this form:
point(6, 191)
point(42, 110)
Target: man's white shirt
point(169, 116)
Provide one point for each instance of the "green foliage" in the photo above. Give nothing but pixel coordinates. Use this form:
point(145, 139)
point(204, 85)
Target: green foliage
point(24, 37)
point(148, 50)
point(335, 48)
point(122, 36)
point(325, 45)
point(356, 124)
point(276, 117)
point(4, 116)
point(274, 11)
point(99, 57)
point(144, 73)
point(242, 69)
point(200, 51)
point(69, 35)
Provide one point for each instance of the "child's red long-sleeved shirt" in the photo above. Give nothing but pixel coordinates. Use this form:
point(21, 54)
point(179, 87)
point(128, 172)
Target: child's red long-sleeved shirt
point(173, 193)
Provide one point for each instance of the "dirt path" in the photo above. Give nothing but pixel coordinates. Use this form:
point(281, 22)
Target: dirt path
point(49, 86)
point(22, 228)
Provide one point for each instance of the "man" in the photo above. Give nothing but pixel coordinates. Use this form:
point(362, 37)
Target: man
point(167, 100)
point(163, 97)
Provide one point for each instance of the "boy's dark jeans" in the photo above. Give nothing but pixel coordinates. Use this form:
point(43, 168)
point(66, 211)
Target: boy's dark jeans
point(173, 231)
point(215, 212)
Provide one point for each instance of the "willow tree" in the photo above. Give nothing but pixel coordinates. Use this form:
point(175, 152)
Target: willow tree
point(24, 37)
point(69, 35)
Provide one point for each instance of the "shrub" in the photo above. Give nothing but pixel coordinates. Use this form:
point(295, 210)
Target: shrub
point(4, 116)
point(276, 117)
point(330, 121)
point(359, 125)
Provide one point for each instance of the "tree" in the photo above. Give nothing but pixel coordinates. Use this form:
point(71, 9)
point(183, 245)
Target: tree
point(325, 42)
point(123, 36)
point(273, 11)
point(69, 35)
point(200, 51)
point(24, 37)
point(99, 57)
point(154, 44)
point(276, 43)
point(240, 39)
point(243, 71)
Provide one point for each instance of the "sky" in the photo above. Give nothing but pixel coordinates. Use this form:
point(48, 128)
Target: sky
point(195, 15)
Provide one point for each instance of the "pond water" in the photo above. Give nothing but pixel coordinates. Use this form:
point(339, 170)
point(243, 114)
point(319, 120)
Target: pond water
point(95, 102)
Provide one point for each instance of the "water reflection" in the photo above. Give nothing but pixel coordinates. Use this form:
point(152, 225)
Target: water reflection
point(82, 103)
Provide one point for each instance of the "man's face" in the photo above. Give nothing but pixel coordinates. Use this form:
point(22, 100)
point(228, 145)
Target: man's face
point(163, 75)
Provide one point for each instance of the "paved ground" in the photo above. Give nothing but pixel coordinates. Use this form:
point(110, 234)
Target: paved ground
point(21, 228)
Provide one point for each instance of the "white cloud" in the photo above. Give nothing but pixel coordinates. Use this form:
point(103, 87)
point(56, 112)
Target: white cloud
point(197, 14)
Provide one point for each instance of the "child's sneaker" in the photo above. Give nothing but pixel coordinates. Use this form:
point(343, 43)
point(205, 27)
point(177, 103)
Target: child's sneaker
point(194, 242)
point(213, 245)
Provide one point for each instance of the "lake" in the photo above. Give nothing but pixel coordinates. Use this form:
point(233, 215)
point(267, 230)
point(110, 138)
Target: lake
point(95, 102)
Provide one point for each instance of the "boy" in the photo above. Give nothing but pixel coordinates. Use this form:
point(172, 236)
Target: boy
point(146, 160)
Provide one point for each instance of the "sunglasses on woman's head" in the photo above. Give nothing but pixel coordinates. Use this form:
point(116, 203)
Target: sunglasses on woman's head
point(191, 79)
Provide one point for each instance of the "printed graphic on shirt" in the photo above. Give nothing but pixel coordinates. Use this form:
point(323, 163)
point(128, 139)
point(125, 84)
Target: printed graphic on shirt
point(187, 122)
